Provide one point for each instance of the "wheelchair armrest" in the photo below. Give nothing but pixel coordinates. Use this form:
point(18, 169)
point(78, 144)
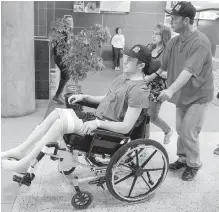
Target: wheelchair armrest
point(88, 104)
point(82, 103)
point(109, 133)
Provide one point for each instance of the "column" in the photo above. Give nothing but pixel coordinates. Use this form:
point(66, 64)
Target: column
point(17, 69)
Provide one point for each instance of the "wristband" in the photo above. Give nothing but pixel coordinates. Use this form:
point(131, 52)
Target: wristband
point(98, 123)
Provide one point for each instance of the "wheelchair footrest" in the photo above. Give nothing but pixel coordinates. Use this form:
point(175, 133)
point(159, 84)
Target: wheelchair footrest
point(98, 182)
point(56, 148)
point(25, 180)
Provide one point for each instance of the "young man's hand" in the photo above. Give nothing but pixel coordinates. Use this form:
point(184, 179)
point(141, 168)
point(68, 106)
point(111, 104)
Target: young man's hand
point(164, 75)
point(165, 95)
point(89, 126)
point(76, 98)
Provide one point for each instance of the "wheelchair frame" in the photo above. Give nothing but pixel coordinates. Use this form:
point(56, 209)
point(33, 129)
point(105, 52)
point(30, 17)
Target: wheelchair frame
point(103, 172)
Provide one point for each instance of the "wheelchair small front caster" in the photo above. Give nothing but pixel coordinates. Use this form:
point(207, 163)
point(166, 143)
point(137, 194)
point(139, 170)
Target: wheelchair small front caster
point(82, 200)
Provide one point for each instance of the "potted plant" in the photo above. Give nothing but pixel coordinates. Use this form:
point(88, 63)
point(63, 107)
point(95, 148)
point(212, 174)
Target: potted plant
point(80, 53)
point(59, 32)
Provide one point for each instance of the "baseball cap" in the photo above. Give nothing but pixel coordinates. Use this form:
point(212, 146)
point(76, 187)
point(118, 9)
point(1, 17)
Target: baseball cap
point(140, 52)
point(183, 8)
point(143, 53)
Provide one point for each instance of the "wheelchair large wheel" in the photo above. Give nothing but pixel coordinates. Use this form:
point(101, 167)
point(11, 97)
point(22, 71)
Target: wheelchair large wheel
point(136, 170)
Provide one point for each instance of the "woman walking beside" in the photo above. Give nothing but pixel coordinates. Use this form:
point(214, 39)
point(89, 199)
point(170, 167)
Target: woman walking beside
point(160, 37)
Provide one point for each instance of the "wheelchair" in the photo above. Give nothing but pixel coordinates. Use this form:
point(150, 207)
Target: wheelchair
point(132, 166)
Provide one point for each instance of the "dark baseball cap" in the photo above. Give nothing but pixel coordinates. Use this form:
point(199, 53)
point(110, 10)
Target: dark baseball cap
point(140, 52)
point(183, 8)
point(143, 53)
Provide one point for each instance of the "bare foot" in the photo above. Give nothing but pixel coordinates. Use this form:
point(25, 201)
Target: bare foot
point(13, 153)
point(15, 166)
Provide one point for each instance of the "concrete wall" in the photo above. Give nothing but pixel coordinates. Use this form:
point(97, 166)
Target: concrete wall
point(137, 25)
point(17, 57)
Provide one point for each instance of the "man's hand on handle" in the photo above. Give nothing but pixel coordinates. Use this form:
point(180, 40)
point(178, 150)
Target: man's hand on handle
point(165, 95)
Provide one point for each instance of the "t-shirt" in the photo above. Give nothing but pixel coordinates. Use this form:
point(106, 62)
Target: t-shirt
point(118, 41)
point(122, 94)
point(194, 55)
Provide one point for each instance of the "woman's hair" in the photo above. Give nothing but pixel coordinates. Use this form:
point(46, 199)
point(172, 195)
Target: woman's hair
point(165, 33)
point(117, 29)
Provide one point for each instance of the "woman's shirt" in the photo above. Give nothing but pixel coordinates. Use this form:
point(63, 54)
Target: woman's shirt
point(157, 84)
point(118, 41)
point(158, 55)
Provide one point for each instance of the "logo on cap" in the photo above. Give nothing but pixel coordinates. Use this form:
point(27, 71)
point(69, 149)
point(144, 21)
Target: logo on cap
point(177, 8)
point(136, 49)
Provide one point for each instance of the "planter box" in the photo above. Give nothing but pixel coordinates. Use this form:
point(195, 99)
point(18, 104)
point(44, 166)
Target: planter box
point(71, 88)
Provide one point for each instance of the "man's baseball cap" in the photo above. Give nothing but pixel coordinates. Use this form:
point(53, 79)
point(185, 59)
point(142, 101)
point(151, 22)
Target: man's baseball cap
point(143, 53)
point(183, 8)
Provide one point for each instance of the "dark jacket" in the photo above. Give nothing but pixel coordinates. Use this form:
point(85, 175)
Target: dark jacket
point(58, 58)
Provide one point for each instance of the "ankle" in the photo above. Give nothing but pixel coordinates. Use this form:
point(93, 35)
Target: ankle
point(170, 130)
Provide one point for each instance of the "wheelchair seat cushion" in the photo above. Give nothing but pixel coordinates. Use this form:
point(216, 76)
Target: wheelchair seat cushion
point(100, 144)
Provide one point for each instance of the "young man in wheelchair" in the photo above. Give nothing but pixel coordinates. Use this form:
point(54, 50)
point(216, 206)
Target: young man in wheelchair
point(118, 111)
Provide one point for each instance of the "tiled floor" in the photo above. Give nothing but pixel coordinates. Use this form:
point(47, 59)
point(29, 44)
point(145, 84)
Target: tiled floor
point(50, 191)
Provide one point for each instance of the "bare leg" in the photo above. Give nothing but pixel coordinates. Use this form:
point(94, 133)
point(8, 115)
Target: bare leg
point(54, 133)
point(21, 166)
point(36, 135)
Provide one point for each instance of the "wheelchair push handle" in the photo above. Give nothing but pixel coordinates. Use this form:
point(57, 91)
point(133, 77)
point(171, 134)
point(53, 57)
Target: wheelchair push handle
point(67, 95)
point(72, 101)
